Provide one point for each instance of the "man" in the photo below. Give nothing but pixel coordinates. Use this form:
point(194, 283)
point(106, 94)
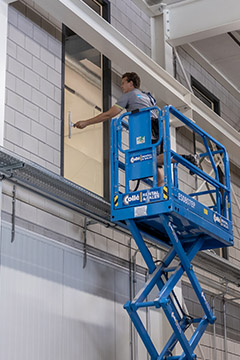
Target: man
point(132, 99)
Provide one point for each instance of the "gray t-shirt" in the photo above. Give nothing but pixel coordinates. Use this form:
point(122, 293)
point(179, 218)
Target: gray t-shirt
point(135, 99)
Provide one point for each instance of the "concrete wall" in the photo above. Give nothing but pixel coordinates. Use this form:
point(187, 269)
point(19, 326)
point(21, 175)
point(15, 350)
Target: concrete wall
point(33, 96)
point(132, 23)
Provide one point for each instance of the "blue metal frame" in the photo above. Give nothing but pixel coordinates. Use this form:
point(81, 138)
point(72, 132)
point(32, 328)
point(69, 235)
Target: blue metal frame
point(166, 214)
point(214, 222)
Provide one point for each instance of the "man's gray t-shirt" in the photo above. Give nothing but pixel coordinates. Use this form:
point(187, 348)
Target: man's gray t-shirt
point(135, 99)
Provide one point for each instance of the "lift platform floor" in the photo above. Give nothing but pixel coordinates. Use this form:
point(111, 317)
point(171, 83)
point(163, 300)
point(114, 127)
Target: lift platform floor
point(191, 218)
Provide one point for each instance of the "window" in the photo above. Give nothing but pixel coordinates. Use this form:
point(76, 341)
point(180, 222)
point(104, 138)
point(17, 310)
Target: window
point(205, 96)
point(86, 93)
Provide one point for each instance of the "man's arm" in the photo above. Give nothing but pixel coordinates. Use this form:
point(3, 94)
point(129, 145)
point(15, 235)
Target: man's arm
point(109, 114)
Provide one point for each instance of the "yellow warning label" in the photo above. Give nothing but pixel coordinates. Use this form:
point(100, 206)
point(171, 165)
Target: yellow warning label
point(116, 200)
point(165, 192)
point(205, 211)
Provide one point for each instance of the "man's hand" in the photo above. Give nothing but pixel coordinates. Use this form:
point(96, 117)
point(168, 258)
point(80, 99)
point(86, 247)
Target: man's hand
point(81, 124)
point(113, 111)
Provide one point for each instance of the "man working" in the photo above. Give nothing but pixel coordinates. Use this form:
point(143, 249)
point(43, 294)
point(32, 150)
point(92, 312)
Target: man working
point(132, 99)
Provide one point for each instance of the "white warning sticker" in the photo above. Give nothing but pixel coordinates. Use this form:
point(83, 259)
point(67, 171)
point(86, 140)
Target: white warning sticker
point(140, 211)
point(140, 140)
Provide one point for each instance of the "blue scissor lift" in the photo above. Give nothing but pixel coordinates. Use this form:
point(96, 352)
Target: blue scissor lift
point(168, 216)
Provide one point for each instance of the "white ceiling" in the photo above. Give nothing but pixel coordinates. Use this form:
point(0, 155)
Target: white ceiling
point(224, 54)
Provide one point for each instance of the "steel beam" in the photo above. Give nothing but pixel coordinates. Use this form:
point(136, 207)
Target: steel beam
point(162, 52)
point(199, 19)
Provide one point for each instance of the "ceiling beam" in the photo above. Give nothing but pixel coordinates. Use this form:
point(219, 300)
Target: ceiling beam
point(199, 19)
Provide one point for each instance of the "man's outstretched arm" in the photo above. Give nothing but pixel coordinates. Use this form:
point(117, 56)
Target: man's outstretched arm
point(109, 114)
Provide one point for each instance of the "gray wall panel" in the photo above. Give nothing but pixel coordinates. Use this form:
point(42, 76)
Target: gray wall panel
point(30, 310)
point(52, 308)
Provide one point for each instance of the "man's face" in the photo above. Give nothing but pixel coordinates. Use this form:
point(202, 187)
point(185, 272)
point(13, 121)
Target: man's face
point(126, 86)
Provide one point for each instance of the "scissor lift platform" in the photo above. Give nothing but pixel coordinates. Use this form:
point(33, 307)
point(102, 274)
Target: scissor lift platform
point(168, 215)
point(190, 217)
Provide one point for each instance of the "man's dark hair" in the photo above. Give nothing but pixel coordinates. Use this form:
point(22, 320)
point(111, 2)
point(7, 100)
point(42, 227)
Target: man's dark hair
point(132, 76)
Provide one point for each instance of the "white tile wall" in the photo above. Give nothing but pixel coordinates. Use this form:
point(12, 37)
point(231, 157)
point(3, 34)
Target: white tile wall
point(33, 101)
point(132, 23)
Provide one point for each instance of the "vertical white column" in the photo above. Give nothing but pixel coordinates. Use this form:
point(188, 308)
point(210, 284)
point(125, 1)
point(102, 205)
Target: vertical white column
point(161, 51)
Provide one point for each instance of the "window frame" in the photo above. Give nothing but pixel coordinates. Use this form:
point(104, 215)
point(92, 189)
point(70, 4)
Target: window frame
point(197, 86)
point(106, 104)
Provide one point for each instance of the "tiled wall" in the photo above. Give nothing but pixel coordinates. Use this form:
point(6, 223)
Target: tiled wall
point(132, 23)
point(33, 94)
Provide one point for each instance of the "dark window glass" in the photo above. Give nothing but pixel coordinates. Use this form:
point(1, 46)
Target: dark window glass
point(205, 96)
